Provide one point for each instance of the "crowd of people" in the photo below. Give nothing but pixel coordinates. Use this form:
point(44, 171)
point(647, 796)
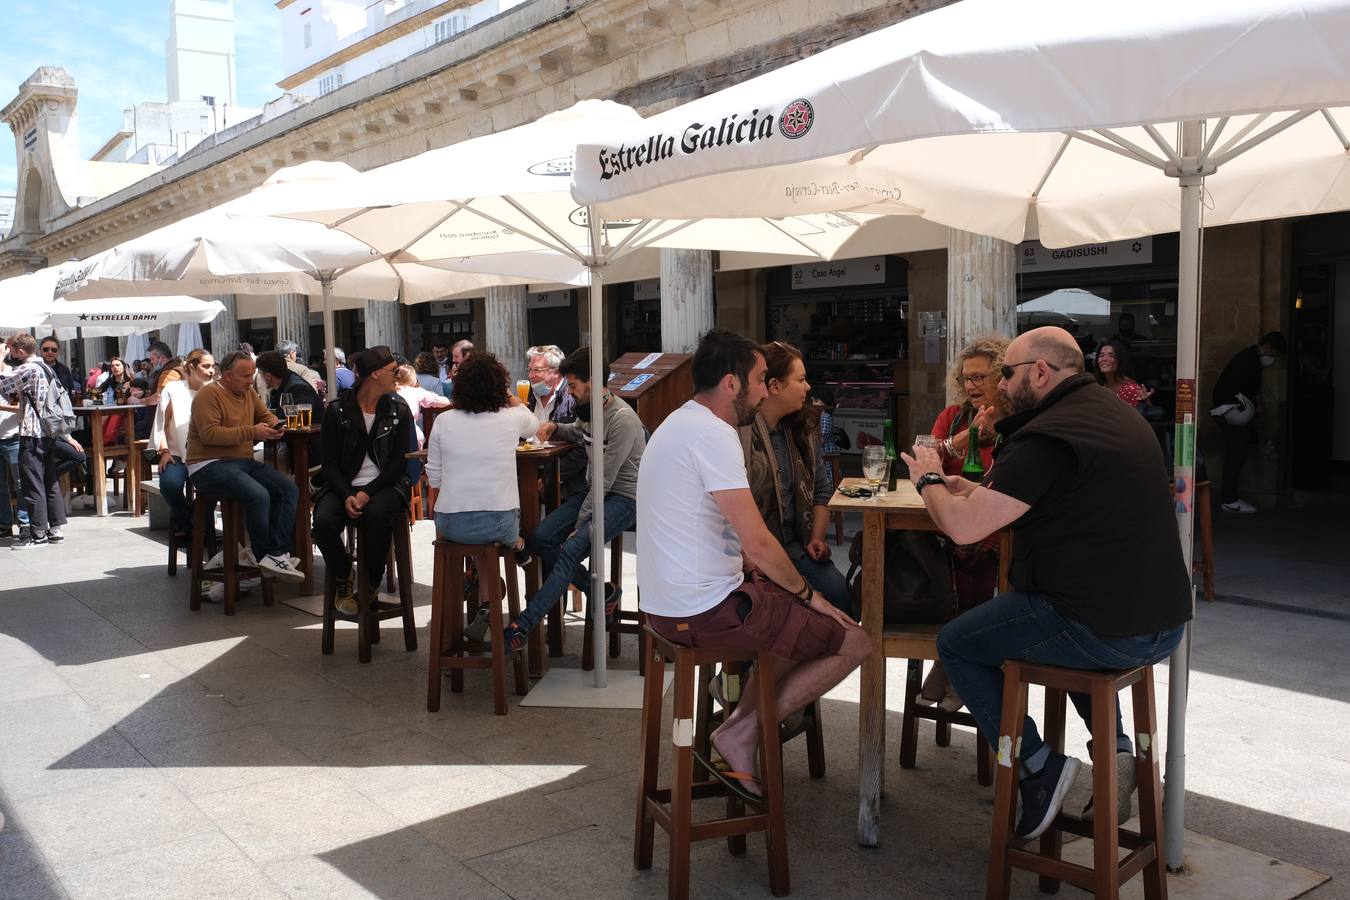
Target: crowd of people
point(728, 497)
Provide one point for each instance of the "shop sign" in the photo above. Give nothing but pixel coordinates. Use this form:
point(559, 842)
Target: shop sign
point(647, 289)
point(840, 273)
point(548, 300)
point(451, 308)
point(1035, 258)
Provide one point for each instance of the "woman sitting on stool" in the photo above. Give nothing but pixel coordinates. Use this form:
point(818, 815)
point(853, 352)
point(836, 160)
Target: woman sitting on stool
point(364, 442)
point(471, 457)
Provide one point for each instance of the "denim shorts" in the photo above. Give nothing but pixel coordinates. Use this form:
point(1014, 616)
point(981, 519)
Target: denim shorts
point(480, 526)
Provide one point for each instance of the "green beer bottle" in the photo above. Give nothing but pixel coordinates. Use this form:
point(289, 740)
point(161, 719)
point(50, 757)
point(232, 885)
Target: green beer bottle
point(973, 468)
point(888, 438)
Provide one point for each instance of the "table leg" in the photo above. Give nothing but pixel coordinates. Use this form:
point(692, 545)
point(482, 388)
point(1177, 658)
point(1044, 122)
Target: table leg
point(527, 480)
point(133, 468)
point(304, 544)
point(872, 694)
point(97, 464)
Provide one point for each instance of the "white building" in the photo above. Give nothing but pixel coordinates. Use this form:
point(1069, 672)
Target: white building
point(328, 43)
point(6, 213)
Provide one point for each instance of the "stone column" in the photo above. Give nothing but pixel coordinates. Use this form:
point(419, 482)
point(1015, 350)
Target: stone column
point(384, 325)
point(225, 328)
point(506, 331)
point(686, 298)
point(981, 288)
point(292, 322)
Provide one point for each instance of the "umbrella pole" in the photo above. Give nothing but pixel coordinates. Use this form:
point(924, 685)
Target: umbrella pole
point(596, 291)
point(1188, 320)
point(329, 352)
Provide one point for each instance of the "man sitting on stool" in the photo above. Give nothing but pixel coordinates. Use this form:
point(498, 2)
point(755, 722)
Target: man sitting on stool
point(1098, 577)
point(698, 526)
point(227, 418)
point(563, 539)
point(365, 439)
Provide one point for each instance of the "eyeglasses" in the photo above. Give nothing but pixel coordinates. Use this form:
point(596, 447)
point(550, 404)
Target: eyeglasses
point(51, 349)
point(540, 369)
point(1007, 369)
point(977, 379)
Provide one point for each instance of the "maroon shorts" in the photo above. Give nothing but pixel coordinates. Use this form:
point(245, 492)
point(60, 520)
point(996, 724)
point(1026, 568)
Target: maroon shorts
point(757, 616)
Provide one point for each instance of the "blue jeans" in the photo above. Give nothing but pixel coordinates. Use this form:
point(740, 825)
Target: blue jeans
point(563, 556)
point(1027, 627)
point(9, 484)
point(269, 500)
point(829, 581)
point(173, 488)
point(480, 526)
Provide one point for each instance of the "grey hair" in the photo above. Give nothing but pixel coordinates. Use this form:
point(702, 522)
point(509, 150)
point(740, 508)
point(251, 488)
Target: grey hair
point(286, 348)
point(341, 357)
point(551, 353)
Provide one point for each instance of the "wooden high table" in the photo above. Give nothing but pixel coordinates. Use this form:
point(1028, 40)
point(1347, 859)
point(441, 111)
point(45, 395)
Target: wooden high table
point(298, 441)
point(900, 510)
point(527, 482)
point(98, 454)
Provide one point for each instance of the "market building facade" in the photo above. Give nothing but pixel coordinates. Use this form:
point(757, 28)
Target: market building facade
point(877, 329)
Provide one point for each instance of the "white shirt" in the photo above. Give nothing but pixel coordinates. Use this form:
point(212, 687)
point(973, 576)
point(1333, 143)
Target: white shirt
point(471, 458)
point(688, 556)
point(9, 421)
point(178, 396)
point(369, 470)
point(415, 396)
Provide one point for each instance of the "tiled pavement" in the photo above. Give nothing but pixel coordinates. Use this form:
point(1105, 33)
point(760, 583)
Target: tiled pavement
point(149, 751)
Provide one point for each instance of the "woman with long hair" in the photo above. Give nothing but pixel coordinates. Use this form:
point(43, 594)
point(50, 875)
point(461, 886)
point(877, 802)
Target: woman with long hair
point(787, 472)
point(168, 436)
point(978, 406)
point(417, 397)
point(115, 386)
point(1114, 367)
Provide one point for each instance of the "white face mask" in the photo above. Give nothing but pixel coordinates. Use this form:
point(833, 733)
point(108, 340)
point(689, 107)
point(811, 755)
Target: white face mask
point(541, 389)
point(1267, 360)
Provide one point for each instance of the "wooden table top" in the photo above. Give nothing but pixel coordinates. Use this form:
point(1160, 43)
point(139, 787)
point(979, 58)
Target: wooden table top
point(903, 499)
point(537, 451)
point(104, 408)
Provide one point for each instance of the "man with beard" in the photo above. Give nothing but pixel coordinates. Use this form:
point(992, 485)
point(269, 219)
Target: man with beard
point(1097, 572)
point(699, 528)
point(563, 539)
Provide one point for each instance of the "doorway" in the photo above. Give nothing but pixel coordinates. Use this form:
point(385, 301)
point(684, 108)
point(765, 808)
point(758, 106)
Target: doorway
point(1319, 376)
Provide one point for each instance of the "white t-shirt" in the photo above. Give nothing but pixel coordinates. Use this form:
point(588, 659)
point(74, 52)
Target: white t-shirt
point(178, 396)
point(369, 471)
point(471, 458)
point(688, 556)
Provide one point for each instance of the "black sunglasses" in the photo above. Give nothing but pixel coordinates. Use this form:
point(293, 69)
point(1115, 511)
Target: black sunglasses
point(1007, 369)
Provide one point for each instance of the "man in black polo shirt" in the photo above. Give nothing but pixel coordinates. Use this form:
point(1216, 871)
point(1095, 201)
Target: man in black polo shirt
point(1097, 572)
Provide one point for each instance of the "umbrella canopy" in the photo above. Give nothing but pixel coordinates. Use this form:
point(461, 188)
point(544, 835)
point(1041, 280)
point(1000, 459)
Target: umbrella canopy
point(992, 120)
point(1075, 124)
point(119, 316)
point(237, 248)
point(189, 339)
point(1070, 301)
point(137, 347)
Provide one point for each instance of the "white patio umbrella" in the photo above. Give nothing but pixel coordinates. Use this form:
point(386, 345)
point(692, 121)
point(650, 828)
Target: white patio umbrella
point(1074, 123)
point(137, 346)
point(189, 339)
point(492, 204)
point(215, 252)
point(121, 316)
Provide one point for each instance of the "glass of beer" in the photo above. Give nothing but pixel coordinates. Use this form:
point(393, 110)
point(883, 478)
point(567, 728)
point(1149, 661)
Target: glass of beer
point(875, 466)
point(292, 417)
point(304, 416)
point(523, 391)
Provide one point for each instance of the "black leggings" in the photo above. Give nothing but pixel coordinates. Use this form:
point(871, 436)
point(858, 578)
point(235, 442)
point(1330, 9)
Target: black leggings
point(378, 517)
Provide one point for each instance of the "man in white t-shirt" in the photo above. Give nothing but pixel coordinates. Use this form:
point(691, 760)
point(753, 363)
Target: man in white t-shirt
point(699, 529)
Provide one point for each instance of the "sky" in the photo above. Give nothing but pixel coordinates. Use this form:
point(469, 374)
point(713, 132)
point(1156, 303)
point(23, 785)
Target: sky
point(114, 49)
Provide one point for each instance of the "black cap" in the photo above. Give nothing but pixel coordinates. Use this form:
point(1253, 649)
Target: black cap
point(372, 359)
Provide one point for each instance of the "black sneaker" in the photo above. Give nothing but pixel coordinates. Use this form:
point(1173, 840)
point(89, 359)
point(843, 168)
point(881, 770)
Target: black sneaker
point(1043, 794)
point(55, 536)
point(6, 531)
point(27, 542)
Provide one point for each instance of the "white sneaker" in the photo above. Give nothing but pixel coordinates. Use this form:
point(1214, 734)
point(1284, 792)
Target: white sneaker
point(280, 568)
point(215, 562)
point(1239, 506)
point(246, 557)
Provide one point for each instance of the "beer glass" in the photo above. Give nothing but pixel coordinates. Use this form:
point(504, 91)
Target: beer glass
point(523, 391)
point(874, 467)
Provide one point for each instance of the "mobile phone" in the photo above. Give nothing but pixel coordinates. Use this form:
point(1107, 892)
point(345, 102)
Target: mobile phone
point(855, 491)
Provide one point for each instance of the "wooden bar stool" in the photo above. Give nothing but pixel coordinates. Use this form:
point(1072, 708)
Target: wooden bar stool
point(832, 460)
point(732, 678)
point(371, 611)
point(232, 526)
point(914, 644)
point(448, 645)
point(625, 621)
point(1108, 872)
point(672, 807)
point(174, 546)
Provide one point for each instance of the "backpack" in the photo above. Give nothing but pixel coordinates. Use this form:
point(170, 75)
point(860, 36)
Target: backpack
point(56, 415)
point(919, 588)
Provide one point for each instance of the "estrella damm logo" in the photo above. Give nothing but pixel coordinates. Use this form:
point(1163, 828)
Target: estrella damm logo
point(796, 119)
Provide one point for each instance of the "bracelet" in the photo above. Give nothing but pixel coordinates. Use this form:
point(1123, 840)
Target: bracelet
point(804, 595)
point(948, 448)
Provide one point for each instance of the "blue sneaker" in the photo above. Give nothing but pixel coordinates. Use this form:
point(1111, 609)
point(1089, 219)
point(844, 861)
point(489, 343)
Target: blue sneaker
point(1043, 794)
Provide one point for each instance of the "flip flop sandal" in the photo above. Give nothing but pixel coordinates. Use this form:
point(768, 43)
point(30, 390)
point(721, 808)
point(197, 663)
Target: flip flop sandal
point(731, 780)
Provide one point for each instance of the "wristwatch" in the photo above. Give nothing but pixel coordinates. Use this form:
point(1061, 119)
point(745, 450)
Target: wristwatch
point(926, 479)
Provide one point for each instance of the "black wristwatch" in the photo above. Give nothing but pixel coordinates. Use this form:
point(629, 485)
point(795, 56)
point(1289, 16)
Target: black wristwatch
point(926, 479)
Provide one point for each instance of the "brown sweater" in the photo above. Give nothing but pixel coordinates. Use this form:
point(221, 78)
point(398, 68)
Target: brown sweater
point(222, 424)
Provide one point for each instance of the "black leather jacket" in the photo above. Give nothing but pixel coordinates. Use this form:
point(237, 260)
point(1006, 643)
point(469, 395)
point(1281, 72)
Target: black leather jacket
point(344, 444)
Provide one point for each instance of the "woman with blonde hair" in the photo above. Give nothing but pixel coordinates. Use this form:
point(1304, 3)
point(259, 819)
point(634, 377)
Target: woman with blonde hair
point(417, 397)
point(979, 406)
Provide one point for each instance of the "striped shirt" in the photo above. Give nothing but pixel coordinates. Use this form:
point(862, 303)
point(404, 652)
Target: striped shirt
point(29, 381)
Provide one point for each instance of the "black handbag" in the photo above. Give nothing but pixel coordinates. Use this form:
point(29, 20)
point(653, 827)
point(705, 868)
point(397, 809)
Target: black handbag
point(919, 588)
